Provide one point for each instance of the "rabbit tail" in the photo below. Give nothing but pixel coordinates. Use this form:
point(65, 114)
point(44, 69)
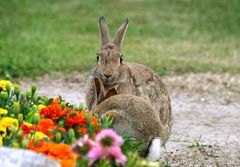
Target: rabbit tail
point(154, 150)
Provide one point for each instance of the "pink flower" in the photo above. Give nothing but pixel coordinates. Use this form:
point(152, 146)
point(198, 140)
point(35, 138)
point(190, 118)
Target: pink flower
point(83, 145)
point(117, 153)
point(108, 144)
point(108, 137)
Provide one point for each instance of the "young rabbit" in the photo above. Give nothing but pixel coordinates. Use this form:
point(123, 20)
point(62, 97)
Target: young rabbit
point(130, 78)
point(134, 116)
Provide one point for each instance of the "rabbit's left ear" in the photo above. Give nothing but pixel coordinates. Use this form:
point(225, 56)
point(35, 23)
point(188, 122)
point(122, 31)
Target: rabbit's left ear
point(120, 34)
point(111, 92)
point(98, 87)
point(103, 31)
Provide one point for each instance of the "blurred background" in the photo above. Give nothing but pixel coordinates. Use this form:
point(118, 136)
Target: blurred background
point(170, 36)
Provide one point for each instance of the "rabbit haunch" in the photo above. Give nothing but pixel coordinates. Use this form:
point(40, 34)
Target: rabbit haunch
point(129, 78)
point(134, 116)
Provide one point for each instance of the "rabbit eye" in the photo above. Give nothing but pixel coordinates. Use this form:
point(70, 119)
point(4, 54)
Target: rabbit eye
point(98, 56)
point(121, 59)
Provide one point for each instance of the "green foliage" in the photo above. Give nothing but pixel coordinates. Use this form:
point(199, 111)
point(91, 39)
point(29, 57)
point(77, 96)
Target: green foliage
point(196, 145)
point(39, 37)
point(131, 144)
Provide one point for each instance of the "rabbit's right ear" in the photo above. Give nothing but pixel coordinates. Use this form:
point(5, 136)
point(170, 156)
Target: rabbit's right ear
point(111, 92)
point(103, 31)
point(118, 39)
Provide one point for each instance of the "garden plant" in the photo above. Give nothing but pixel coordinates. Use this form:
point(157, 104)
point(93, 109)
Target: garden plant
point(70, 135)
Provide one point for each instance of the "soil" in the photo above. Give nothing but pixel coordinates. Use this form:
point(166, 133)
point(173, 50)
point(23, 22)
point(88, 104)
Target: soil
point(206, 111)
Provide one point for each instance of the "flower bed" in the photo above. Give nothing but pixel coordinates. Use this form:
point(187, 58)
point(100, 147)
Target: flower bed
point(68, 134)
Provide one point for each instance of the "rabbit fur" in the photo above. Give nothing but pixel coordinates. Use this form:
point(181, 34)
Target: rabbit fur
point(134, 116)
point(130, 78)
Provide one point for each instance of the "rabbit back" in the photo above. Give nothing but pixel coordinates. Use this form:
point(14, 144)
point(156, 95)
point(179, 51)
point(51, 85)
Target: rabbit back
point(134, 116)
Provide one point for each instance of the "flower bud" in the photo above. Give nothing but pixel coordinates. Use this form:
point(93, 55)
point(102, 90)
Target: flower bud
point(8, 88)
point(50, 131)
point(62, 104)
point(16, 90)
point(35, 99)
point(16, 107)
point(22, 96)
point(36, 118)
point(32, 132)
point(58, 137)
point(24, 144)
point(7, 107)
point(81, 106)
point(20, 118)
point(4, 95)
point(61, 123)
point(15, 144)
point(36, 141)
point(13, 130)
point(71, 133)
point(7, 77)
point(20, 134)
point(34, 88)
point(73, 140)
point(28, 95)
point(12, 115)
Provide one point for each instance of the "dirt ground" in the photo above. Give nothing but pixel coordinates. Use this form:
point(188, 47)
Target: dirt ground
point(206, 111)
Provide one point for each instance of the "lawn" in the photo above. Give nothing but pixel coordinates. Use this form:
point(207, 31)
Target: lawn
point(170, 36)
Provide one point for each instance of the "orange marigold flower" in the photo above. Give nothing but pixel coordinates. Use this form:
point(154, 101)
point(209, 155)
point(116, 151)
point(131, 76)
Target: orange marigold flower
point(110, 114)
point(54, 111)
point(55, 151)
point(75, 118)
point(46, 124)
point(80, 121)
point(82, 131)
point(56, 101)
point(42, 147)
point(94, 121)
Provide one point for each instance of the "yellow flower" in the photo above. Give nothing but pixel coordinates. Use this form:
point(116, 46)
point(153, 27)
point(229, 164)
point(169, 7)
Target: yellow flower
point(27, 124)
point(8, 122)
point(36, 114)
point(2, 131)
point(3, 84)
point(39, 135)
point(1, 142)
point(40, 107)
point(16, 106)
point(3, 111)
point(15, 144)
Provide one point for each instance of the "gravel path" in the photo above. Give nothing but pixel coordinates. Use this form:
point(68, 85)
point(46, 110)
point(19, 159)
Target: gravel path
point(206, 111)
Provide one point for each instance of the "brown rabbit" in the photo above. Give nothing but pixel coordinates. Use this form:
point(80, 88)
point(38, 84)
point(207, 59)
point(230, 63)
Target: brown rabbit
point(134, 116)
point(130, 78)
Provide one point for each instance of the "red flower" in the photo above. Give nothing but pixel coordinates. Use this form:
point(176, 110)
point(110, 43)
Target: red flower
point(54, 111)
point(46, 124)
point(27, 128)
point(82, 131)
point(80, 121)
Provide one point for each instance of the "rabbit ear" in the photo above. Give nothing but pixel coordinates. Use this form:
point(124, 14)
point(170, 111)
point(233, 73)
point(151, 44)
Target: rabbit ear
point(99, 87)
point(120, 34)
point(111, 92)
point(103, 31)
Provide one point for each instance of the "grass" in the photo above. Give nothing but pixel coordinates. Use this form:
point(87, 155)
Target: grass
point(170, 36)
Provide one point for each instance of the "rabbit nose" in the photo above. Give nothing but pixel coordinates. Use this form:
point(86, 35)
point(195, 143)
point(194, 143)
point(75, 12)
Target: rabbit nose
point(107, 75)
